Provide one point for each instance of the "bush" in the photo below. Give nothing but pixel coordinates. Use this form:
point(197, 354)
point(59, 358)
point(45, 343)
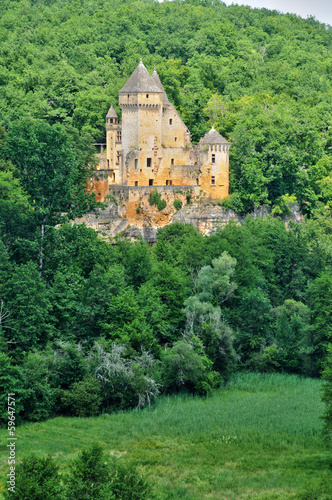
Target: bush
point(183, 368)
point(127, 483)
point(177, 204)
point(36, 479)
point(92, 478)
point(89, 477)
point(155, 199)
point(161, 204)
point(37, 396)
point(84, 399)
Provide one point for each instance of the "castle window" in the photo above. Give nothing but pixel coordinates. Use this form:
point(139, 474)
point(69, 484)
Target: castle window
point(169, 183)
point(150, 182)
point(128, 96)
point(117, 157)
point(108, 164)
point(172, 161)
point(118, 136)
point(136, 183)
point(170, 121)
point(175, 138)
point(213, 158)
point(147, 96)
point(213, 181)
point(111, 120)
point(136, 164)
point(148, 163)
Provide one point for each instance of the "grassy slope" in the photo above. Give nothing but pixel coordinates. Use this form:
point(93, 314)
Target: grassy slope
point(258, 438)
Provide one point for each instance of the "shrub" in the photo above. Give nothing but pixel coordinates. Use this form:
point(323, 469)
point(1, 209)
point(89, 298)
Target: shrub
point(283, 203)
point(127, 483)
point(161, 204)
point(89, 477)
point(184, 368)
point(36, 479)
point(37, 396)
point(84, 399)
point(155, 199)
point(177, 204)
point(126, 382)
point(92, 478)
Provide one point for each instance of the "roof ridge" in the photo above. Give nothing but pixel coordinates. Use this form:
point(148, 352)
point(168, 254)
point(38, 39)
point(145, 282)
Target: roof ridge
point(213, 137)
point(111, 113)
point(157, 80)
point(140, 81)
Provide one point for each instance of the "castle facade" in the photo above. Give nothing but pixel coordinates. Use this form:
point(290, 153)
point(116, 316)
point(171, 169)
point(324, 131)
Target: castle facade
point(152, 146)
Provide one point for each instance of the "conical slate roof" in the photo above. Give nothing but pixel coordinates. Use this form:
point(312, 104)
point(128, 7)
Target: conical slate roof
point(111, 113)
point(156, 78)
point(140, 81)
point(213, 137)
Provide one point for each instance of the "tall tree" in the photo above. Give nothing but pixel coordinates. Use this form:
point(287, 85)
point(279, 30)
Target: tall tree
point(48, 167)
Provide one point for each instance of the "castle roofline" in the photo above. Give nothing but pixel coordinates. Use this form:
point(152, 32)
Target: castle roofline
point(156, 78)
point(213, 137)
point(111, 113)
point(140, 81)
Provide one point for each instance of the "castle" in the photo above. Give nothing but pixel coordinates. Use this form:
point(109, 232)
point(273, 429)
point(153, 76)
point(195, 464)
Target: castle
point(151, 149)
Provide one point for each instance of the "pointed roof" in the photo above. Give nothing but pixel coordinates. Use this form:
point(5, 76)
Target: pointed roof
point(156, 78)
point(111, 113)
point(140, 81)
point(213, 137)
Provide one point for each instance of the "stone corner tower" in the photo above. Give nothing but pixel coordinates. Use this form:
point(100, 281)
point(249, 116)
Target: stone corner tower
point(214, 161)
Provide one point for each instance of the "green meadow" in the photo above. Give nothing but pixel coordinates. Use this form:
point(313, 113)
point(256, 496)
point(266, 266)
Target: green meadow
point(259, 437)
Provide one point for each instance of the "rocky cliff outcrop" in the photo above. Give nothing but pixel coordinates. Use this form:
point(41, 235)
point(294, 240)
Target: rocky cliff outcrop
point(206, 216)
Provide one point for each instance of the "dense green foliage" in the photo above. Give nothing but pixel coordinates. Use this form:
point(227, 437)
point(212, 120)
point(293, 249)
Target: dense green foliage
point(260, 77)
point(86, 326)
point(109, 327)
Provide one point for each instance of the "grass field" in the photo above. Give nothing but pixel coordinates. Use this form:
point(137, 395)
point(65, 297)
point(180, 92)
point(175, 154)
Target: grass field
point(258, 438)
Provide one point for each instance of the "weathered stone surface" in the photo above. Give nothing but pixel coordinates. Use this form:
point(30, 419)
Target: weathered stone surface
point(210, 217)
point(205, 216)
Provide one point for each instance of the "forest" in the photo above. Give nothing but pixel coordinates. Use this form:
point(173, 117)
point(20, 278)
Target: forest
point(91, 327)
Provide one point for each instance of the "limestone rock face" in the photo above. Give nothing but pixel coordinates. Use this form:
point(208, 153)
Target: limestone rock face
point(206, 217)
point(209, 218)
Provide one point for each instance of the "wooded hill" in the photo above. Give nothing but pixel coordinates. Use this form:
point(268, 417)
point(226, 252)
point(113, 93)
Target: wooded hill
point(260, 77)
point(87, 326)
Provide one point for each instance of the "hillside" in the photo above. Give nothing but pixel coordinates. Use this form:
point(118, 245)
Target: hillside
point(263, 79)
point(134, 335)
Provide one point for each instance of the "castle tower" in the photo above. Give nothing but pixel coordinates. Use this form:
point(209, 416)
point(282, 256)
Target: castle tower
point(113, 145)
point(141, 102)
point(214, 160)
